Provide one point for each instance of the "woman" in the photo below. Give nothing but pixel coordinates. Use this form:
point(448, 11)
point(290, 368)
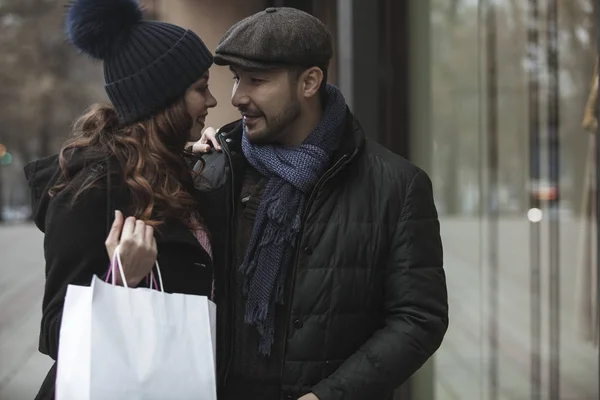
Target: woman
point(126, 157)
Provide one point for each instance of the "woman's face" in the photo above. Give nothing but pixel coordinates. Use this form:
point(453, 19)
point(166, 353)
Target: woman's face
point(198, 100)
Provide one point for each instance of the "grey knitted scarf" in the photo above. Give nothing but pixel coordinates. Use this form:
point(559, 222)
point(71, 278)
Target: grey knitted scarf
point(292, 173)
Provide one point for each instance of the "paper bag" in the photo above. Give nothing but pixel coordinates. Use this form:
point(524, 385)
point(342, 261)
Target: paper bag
point(123, 343)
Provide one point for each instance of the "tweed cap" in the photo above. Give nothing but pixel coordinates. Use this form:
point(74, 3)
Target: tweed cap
point(276, 37)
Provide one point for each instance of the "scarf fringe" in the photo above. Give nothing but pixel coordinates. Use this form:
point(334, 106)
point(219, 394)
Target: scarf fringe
point(261, 316)
point(256, 313)
point(267, 337)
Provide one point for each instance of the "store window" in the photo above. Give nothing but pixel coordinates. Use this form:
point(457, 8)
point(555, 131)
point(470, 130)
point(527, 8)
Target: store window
point(513, 161)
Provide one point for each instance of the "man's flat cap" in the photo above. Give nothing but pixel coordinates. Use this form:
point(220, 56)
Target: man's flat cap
point(276, 37)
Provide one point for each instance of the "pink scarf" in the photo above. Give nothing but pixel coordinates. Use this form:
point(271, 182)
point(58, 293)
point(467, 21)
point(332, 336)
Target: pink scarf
point(201, 236)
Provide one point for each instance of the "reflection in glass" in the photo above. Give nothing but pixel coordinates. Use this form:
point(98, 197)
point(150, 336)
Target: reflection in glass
point(514, 174)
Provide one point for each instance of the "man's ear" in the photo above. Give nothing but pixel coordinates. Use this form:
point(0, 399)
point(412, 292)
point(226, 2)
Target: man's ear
point(311, 81)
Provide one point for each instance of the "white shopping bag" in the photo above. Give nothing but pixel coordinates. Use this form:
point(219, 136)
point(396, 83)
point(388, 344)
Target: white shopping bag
point(123, 343)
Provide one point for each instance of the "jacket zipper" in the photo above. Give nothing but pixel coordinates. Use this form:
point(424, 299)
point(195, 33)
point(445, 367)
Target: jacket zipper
point(305, 212)
point(232, 254)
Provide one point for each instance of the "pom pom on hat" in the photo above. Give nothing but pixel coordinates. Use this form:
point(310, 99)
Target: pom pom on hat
point(96, 26)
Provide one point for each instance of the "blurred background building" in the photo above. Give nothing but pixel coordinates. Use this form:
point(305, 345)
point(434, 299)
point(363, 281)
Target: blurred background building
point(495, 99)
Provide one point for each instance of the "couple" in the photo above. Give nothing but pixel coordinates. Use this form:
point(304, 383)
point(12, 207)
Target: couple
point(320, 247)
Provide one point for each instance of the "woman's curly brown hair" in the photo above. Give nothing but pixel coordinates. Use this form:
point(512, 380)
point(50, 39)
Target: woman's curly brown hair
point(149, 153)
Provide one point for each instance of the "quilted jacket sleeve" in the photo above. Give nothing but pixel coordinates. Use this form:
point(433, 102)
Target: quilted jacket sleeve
point(416, 304)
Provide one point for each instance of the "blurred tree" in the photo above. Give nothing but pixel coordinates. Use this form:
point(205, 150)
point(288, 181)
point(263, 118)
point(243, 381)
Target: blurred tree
point(455, 104)
point(44, 83)
point(458, 106)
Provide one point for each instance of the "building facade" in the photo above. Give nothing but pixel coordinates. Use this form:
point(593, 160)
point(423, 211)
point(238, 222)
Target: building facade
point(496, 101)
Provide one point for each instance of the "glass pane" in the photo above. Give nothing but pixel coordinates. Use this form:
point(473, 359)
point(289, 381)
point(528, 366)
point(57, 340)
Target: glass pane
point(513, 168)
point(578, 317)
point(456, 173)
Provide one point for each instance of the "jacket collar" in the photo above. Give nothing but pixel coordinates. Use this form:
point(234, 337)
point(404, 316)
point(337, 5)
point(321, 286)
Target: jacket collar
point(353, 139)
point(232, 135)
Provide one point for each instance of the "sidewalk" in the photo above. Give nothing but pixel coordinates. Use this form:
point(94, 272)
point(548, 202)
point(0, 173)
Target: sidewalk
point(462, 363)
point(22, 367)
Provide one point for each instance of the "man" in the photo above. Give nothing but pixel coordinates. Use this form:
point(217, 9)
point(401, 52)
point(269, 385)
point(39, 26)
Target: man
point(332, 284)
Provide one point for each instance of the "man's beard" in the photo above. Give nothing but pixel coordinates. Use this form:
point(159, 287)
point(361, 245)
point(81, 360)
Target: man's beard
point(276, 126)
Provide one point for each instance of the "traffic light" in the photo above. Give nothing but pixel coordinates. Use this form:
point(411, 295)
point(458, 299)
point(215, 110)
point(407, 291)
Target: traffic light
point(5, 156)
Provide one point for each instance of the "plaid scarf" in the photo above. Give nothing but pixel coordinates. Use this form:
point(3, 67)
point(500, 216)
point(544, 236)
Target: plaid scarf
point(292, 172)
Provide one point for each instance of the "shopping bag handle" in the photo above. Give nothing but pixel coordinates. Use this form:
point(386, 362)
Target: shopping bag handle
point(160, 280)
point(151, 282)
point(117, 263)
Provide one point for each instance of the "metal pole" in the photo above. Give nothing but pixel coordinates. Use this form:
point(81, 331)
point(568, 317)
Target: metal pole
point(534, 201)
point(554, 177)
point(597, 188)
point(493, 204)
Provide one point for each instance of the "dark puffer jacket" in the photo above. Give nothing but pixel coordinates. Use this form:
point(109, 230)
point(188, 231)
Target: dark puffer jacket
point(368, 304)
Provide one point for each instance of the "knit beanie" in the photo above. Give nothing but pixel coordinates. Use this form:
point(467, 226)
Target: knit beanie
point(147, 64)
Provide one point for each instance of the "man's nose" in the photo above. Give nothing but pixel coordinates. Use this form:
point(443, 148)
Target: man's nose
point(239, 97)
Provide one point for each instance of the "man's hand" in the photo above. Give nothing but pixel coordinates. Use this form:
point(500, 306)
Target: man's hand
point(208, 136)
point(310, 396)
point(138, 248)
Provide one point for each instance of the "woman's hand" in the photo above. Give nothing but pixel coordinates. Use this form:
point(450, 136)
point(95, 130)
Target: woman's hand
point(208, 136)
point(310, 396)
point(138, 248)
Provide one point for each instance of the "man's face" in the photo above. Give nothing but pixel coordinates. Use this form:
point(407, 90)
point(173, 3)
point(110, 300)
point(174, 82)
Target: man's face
point(268, 101)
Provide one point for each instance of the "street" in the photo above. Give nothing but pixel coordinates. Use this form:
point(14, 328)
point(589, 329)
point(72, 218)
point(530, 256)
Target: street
point(461, 365)
point(22, 367)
